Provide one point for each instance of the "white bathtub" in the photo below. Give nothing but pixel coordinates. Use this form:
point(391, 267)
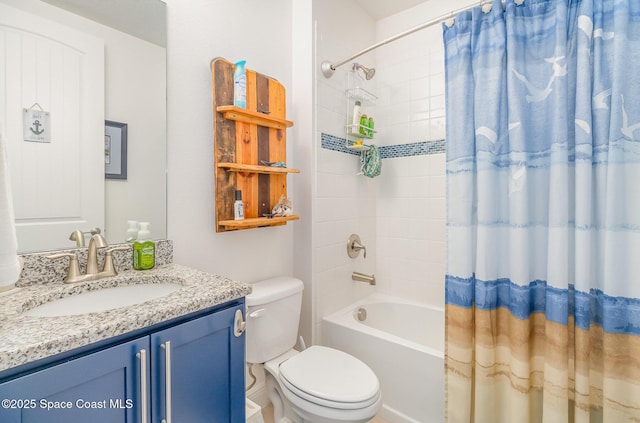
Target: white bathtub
point(403, 344)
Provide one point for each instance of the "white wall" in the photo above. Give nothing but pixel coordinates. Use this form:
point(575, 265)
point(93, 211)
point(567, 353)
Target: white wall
point(135, 93)
point(302, 136)
point(199, 31)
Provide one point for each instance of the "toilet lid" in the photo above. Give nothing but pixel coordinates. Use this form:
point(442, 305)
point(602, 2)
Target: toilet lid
point(330, 377)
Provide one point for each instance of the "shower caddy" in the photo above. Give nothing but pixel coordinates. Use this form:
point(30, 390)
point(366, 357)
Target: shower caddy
point(244, 141)
point(352, 131)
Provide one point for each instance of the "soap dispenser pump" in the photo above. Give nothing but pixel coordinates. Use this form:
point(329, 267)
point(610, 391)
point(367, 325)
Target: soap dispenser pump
point(132, 231)
point(144, 250)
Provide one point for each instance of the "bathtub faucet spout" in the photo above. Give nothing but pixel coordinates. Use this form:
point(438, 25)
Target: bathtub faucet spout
point(361, 277)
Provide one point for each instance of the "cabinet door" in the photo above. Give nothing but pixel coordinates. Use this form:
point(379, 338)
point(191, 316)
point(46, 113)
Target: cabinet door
point(200, 365)
point(103, 387)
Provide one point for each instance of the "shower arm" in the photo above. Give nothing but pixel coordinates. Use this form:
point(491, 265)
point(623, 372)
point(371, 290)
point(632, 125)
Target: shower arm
point(329, 68)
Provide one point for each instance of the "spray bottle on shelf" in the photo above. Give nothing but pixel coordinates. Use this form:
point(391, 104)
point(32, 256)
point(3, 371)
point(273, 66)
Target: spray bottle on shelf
point(240, 85)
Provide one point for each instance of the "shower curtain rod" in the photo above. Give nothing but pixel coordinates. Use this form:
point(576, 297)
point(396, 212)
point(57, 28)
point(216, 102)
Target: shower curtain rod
point(329, 68)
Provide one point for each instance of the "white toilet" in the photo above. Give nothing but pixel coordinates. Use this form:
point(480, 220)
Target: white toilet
point(317, 385)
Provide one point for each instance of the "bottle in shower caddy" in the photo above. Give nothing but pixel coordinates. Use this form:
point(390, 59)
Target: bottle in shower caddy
point(370, 127)
point(357, 112)
point(364, 125)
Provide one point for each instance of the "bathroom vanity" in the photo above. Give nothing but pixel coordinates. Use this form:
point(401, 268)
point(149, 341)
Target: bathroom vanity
point(179, 357)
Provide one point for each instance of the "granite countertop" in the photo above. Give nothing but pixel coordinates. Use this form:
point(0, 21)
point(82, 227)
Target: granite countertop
point(25, 339)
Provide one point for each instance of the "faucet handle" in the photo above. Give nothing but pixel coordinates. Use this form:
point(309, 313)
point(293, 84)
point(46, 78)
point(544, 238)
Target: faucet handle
point(74, 269)
point(354, 245)
point(109, 269)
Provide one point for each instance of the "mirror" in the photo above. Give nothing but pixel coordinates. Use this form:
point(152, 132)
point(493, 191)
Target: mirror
point(134, 35)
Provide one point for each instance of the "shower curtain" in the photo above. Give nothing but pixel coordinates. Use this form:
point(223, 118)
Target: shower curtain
point(543, 213)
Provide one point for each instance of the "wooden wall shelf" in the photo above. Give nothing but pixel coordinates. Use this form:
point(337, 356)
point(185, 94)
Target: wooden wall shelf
point(243, 139)
point(243, 115)
point(237, 167)
point(257, 222)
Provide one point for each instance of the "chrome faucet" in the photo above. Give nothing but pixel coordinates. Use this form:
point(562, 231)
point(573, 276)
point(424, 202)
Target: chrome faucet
point(96, 242)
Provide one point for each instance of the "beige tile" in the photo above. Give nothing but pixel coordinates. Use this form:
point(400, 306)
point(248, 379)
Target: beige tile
point(267, 414)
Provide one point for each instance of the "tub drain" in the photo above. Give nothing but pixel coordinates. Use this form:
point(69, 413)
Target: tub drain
point(362, 314)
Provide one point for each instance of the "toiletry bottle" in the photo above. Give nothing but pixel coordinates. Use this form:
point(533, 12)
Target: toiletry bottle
point(238, 206)
point(364, 125)
point(370, 126)
point(132, 232)
point(144, 250)
point(357, 111)
point(240, 85)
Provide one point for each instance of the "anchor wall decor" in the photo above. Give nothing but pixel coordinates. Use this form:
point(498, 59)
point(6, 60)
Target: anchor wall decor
point(37, 124)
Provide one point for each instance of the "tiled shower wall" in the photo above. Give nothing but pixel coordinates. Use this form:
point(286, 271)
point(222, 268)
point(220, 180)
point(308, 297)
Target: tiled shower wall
point(344, 203)
point(400, 215)
point(410, 196)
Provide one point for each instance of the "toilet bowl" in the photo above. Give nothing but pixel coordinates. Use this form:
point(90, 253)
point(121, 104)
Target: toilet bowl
point(316, 385)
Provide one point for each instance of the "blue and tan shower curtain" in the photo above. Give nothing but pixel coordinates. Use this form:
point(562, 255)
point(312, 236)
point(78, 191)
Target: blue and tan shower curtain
point(543, 213)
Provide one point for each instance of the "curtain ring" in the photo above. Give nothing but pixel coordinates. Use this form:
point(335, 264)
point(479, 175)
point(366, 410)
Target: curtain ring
point(449, 22)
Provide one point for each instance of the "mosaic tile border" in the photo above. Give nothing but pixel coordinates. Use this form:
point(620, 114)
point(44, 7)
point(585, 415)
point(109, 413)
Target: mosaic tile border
point(422, 148)
point(334, 143)
point(412, 149)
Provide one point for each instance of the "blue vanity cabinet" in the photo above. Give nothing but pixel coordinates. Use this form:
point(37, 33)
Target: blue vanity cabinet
point(188, 370)
point(102, 387)
point(199, 369)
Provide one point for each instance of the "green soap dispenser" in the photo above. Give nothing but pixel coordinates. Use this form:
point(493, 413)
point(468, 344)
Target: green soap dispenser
point(144, 250)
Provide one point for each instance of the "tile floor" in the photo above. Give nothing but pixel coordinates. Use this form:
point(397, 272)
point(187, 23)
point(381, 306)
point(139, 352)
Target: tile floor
point(267, 414)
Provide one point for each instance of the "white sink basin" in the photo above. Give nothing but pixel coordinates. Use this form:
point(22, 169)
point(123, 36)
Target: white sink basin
point(103, 300)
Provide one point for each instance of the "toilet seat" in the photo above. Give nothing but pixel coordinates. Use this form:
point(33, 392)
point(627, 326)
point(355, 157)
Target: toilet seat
point(330, 378)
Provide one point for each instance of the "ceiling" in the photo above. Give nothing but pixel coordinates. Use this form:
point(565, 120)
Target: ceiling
point(379, 9)
point(145, 19)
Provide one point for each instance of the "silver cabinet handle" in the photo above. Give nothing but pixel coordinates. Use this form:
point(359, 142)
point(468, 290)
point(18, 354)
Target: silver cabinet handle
point(167, 378)
point(239, 325)
point(142, 355)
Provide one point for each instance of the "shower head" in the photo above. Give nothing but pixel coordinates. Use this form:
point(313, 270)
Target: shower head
point(368, 72)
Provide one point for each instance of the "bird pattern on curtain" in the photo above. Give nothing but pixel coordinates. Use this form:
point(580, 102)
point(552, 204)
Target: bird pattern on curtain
point(543, 213)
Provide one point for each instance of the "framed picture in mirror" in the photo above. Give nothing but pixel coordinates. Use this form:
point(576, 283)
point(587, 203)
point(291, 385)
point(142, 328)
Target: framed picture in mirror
point(115, 150)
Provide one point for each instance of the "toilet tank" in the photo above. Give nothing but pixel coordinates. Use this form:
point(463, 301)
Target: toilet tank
point(273, 315)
